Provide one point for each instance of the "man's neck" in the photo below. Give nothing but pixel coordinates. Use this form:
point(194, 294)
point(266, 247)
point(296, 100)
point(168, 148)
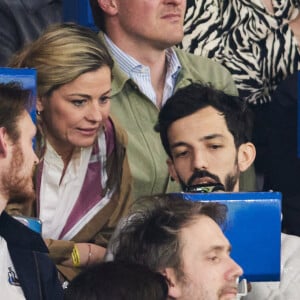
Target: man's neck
point(158, 78)
point(144, 51)
point(3, 204)
point(4, 197)
point(151, 57)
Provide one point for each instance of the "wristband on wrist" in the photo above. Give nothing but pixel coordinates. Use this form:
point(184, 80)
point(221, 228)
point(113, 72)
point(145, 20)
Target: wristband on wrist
point(75, 257)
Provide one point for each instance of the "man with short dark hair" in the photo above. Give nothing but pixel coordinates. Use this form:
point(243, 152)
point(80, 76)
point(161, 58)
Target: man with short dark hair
point(117, 281)
point(182, 240)
point(148, 69)
point(207, 135)
point(26, 271)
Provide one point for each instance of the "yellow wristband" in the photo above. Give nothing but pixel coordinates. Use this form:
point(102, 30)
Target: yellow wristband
point(75, 257)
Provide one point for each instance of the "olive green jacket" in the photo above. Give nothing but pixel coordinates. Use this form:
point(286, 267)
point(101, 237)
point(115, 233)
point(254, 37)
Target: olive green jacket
point(138, 115)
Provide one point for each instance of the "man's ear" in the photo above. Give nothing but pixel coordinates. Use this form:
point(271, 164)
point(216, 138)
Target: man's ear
point(3, 142)
point(246, 156)
point(174, 291)
point(110, 7)
point(171, 169)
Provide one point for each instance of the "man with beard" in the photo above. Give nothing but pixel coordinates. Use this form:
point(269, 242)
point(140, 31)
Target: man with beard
point(162, 237)
point(206, 135)
point(202, 139)
point(26, 271)
point(148, 69)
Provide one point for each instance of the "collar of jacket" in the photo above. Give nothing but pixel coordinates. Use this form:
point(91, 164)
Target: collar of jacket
point(18, 235)
point(120, 78)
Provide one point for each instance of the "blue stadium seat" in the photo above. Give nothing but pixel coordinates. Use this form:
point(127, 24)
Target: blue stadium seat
point(253, 229)
point(78, 11)
point(27, 78)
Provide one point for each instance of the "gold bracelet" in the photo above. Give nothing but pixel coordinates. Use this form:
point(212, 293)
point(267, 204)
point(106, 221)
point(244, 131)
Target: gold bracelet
point(89, 255)
point(75, 257)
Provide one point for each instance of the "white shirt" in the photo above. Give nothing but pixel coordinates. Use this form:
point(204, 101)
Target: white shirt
point(289, 286)
point(140, 74)
point(57, 199)
point(9, 284)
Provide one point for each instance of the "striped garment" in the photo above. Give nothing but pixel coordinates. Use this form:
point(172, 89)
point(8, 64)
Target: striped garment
point(257, 47)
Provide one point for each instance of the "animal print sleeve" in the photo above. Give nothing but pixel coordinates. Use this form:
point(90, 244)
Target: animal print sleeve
point(286, 9)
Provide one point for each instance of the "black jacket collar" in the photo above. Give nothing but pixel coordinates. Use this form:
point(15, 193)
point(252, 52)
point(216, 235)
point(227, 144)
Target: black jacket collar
point(18, 235)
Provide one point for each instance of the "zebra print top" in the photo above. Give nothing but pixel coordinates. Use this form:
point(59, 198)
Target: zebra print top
point(258, 48)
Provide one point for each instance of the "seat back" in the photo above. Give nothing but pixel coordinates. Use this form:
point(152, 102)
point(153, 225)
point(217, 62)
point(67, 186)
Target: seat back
point(254, 230)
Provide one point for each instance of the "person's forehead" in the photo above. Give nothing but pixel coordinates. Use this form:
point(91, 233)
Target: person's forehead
point(204, 122)
point(203, 234)
point(203, 116)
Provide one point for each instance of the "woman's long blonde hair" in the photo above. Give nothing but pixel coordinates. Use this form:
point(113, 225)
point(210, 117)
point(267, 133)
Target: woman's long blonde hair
point(60, 55)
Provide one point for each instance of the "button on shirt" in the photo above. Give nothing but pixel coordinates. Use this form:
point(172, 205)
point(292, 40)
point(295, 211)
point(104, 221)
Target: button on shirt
point(140, 74)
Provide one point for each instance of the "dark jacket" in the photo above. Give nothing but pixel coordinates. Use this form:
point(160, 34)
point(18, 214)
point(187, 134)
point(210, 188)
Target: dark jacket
point(22, 21)
point(36, 272)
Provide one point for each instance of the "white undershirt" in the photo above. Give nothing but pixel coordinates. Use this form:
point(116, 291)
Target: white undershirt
point(54, 211)
point(8, 291)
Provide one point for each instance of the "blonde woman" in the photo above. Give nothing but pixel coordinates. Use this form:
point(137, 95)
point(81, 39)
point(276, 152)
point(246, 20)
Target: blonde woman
point(83, 182)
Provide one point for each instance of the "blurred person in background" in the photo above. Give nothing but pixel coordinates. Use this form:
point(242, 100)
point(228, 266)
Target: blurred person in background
point(23, 21)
